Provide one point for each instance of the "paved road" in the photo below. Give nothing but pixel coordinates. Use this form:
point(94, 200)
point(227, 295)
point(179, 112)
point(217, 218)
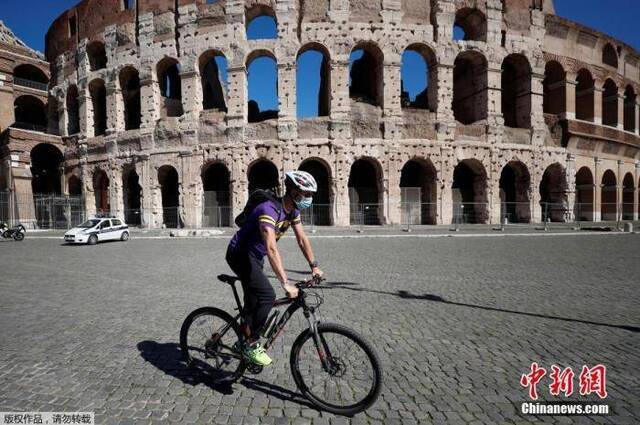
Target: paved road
point(456, 322)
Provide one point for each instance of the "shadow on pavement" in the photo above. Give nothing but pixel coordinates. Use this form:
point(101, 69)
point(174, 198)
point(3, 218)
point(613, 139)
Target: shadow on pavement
point(437, 298)
point(168, 358)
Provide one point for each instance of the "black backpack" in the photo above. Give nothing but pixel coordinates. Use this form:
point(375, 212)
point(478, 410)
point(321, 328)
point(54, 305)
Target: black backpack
point(257, 197)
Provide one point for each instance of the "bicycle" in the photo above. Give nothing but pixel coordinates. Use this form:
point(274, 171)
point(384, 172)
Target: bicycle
point(210, 339)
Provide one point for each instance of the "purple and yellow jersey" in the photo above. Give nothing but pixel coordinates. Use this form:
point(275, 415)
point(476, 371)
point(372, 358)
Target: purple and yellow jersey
point(267, 214)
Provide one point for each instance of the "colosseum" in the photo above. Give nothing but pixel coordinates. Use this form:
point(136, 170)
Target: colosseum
point(144, 110)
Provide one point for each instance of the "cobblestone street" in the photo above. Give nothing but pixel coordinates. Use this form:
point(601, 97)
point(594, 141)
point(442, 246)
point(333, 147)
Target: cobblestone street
point(456, 321)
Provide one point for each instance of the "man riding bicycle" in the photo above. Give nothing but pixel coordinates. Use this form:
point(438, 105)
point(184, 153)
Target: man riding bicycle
point(258, 237)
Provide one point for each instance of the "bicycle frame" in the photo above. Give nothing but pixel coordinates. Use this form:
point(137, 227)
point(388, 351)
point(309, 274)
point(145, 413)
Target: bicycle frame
point(294, 305)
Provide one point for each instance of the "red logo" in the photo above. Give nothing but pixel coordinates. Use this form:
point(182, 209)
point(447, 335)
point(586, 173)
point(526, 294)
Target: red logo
point(592, 380)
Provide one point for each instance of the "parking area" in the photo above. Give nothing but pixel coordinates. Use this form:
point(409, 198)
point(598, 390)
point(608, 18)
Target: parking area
point(456, 322)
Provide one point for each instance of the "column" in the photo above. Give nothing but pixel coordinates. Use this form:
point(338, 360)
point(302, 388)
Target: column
point(495, 120)
point(636, 193)
point(637, 120)
point(445, 120)
point(236, 102)
point(115, 109)
point(597, 104)
point(191, 93)
point(619, 188)
point(392, 111)
point(597, 195)
point(620, 125)
point(85, 110)
point(287, 124)
point(445, 180)
point(538, 124)
point(341, 203)
point(571, 185)
point(149, 103)
point(445, 13)
point(340, 109)
point(570, 98)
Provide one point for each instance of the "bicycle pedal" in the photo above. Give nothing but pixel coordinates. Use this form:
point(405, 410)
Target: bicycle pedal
point(255, 369)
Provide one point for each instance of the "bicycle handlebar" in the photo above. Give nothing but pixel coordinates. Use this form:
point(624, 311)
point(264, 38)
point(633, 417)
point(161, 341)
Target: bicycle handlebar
point(314, 281)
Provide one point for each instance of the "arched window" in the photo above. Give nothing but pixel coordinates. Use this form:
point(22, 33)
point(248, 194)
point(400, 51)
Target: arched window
point(313, 85)
point(98, 94)
point(130, 86)
point(584, 96)
point(322, 198)
point(627, 197)
point(168, 71)
point(365, 74)
point(609, 196)
point(213, 74)
point(216, 186)
point(584, 195)
point(30, 76)
point(514, 193)
point(45, 169)
point(419, 78)
point(629, 109)
point(263, 174)
point(30, 113)
point(470, 24)
point(609, 56)
point(610, 104)
point(470, 87)
point(73, 110)
point(469, 192)
point(263, 87)
point(553, 193)
point(554, 101)
point(261, 23)
point(170, 192)
point(516, 91)
point(418, 192)
point(365, 185)
point(96, 55)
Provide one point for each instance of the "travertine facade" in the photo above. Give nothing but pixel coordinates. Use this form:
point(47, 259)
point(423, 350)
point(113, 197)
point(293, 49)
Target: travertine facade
point(528, 109)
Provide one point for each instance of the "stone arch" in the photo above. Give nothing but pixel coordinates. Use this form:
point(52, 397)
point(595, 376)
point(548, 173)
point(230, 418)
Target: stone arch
point(323, 198)
point(554, 87)
point(98, 93)
point(101, 191)
point(97, 55)
point(130, 85)
point(30, 113)
point(213, 69)
point(553, 193)
point(73, 110)
point(418, 191)
point(470, 24)
point(313, 58)
point(74, 185)
point(261, 18)
point(366, 64)
point(609, 196)
point(584, 95)
point(365, 191)
point(46, 160)
point(470, 84)
point(610, 103)
point(515, 185)
point(216, 189)
point(516, 91)
point(132, 196)
point(169, 182)
point(630, 109)
point(628, 191)
point(29, 73)
point(263, 174)
point(583, 210)
point(262, 70)
point(610, 56)
point(427, 96)
point(469, 192)
point(168, 72)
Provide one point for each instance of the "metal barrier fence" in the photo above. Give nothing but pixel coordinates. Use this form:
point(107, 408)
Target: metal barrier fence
point(316, 215)
point(366, 214)
point(41, 211)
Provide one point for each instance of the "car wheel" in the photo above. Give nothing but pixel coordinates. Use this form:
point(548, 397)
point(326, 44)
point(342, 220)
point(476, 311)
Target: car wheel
point(124, 237)
point(93, 239)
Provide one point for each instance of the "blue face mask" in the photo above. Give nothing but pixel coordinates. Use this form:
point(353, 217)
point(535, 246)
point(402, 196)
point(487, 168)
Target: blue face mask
point(304, 203)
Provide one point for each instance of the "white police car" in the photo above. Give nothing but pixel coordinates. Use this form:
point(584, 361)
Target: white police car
point(97, 230)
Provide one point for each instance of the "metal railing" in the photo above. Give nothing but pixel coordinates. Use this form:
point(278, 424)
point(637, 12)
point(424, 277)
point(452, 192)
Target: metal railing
point(366, 214)
point(24, 82)
point(316, 215)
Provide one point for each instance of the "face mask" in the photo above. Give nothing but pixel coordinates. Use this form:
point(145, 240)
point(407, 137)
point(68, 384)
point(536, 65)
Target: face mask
point(303, 203)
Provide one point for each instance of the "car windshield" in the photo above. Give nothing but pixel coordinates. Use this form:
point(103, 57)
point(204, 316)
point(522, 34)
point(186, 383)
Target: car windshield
point(88, 224)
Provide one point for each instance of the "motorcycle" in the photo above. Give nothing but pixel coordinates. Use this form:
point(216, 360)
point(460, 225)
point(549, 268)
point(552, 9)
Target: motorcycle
point(15, 233)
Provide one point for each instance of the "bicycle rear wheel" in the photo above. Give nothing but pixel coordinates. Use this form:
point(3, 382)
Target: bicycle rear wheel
point(354, 379)
point(207, 339)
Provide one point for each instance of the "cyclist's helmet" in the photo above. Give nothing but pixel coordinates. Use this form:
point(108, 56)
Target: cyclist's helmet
point(300, 180)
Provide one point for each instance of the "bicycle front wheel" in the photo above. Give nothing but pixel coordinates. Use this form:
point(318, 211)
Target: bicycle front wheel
point(208, 340)
point(338, 372)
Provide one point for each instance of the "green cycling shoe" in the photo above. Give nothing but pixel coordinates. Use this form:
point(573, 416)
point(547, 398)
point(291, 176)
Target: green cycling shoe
point(256, 354)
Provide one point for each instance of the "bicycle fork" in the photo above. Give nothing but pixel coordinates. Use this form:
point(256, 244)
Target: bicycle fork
point(326, 358)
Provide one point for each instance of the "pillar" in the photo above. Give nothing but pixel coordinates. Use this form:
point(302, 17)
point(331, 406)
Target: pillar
point(392, 110)
point(597, 194)
point(236, 102)
point(570, 171)
point(445, 180)
point(85, 110)
point(287, 124)
point(597, 104)
point(636, 192)
point(340, 108)
point(620, 125)
point(115, 109)
point(570, 98)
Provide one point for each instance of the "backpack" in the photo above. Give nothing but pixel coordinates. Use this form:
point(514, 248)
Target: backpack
point(256, 197)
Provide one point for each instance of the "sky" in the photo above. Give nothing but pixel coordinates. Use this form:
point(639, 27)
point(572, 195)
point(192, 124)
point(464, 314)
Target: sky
point(618, 18)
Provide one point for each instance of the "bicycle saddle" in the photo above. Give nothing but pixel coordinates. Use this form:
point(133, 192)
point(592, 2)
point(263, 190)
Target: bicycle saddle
point(228, 279)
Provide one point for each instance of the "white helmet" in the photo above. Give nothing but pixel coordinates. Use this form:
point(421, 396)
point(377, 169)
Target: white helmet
point(300, 180)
